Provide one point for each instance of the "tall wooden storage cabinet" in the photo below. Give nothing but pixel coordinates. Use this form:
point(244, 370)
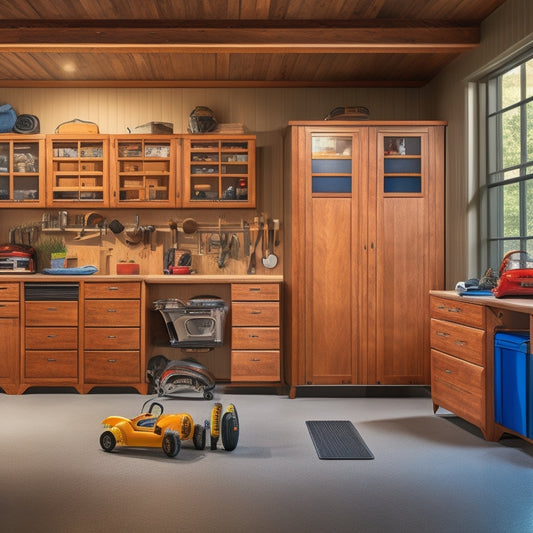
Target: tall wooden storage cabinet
point(364, 225)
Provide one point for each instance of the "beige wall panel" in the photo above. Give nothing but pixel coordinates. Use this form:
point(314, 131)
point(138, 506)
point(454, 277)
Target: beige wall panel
point(506, 32)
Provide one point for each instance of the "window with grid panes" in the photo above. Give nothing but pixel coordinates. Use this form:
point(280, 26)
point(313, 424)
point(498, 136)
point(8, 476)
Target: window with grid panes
point(509, 153)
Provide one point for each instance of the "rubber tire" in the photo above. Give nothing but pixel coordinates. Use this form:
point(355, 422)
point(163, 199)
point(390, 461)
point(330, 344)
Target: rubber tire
point(199, 438)
point(171, 443)
point(208, 395)
point(230, 431)
point(108, 441)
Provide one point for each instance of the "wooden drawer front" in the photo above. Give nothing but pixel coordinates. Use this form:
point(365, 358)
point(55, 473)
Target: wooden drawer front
point(255, 338)
point(255, 366)
point(51, 313)
point(51, 338)
point(112, 312)
point(259, 291)
point(51, 364)
point(9, 309)
point(127, 290)
point(112, 338)
point(114, 367)
point(461, 341)
point(9, 291)
point(461, 312)
point(458, 386)
point(255, 314)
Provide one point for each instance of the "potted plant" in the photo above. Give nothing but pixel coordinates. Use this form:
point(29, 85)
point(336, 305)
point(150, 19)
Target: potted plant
point(51, 252)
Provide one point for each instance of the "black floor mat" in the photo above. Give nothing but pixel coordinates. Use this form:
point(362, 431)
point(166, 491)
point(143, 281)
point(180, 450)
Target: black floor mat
point(337, 439)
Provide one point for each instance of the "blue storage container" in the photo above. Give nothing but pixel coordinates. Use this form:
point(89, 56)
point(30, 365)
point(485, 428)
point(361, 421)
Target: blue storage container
point(513, 382)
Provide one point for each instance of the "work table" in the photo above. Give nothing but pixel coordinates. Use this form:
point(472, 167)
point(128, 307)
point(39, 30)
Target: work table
point(149, 278)
point(463, 363)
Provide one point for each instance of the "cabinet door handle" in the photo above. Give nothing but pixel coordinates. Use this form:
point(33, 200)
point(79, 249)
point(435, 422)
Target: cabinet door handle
point(442, 334)
point(51, 359)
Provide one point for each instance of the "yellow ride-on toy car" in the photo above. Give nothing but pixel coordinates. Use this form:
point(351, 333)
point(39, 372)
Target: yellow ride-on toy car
point(153, 429)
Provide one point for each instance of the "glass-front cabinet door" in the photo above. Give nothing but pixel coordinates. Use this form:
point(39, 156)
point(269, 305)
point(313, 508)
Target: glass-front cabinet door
point(219, 171)
point(22, 170)
point(331, 164)
point(77, 171)
point(144, 171)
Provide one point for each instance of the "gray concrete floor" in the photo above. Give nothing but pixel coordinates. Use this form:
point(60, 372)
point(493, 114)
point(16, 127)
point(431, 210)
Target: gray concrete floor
point(430, 473)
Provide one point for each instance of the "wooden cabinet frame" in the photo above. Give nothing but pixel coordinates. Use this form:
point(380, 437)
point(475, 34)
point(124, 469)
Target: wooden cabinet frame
point(361, 255)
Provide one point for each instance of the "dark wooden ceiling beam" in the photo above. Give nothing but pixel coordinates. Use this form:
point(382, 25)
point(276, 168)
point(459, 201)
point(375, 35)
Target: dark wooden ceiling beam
point(228, 37)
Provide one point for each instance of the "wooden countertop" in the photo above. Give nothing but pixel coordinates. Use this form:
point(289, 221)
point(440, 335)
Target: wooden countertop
point(520, 304)
point(149, 279)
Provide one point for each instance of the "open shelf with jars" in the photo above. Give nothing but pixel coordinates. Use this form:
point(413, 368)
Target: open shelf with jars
point(22, 170)
point(144, 171)
point(219, 170)
point(77, 170)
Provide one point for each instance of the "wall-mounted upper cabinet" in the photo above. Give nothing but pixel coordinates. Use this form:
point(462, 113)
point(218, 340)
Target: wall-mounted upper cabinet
point(22, 170)
point(77, 171)
point(219, 171)
point(132, 171)
point(144, 171)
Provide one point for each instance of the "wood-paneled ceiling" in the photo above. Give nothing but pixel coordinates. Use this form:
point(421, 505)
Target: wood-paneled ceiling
point(234, 43)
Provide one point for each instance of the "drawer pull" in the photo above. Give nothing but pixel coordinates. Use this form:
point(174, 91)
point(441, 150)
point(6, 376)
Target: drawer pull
point(442, 334)
point(255, 360)
point(111, 360)
point(111, 336)
point(460, 343)
point(51, 336)
point(255, 289)
point(441, 307)
point(2, 305)
point(253, 336)
point(51, 308)
point(3, 288)
point(51, 359)
point(448, 371)
point(112, 288)
point(255, 312)
point(454, 310)
point(111, 310)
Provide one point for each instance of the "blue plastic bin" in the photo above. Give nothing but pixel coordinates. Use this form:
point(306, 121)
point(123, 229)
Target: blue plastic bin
point(513, 382)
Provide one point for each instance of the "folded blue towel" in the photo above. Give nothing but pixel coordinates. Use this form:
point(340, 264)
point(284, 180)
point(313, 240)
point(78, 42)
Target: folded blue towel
point(74, 271)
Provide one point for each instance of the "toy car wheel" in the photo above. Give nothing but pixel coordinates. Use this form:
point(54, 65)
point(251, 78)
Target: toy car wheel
point(171, 443)
point(108, 441)
point(208, 395)
point(199, 437)
point(230, 431)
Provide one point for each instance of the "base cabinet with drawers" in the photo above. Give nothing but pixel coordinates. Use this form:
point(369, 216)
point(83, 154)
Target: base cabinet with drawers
point(462, 353)
point(112, 335)
point(255, 332)
point(51, 343)
point(9, 330)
